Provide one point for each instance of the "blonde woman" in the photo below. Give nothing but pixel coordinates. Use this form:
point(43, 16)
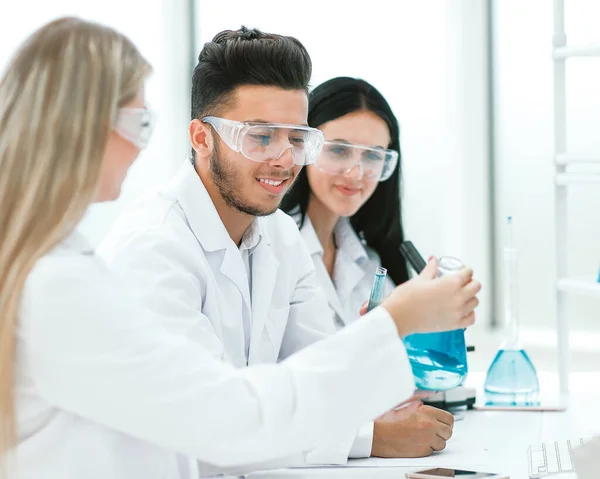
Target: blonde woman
point(90, 385)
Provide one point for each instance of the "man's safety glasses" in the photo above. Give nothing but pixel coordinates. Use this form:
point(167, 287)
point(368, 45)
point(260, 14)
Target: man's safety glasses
point(267, 141)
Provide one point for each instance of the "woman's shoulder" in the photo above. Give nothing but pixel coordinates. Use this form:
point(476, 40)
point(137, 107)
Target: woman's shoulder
point(71, 262)
point(70, 278)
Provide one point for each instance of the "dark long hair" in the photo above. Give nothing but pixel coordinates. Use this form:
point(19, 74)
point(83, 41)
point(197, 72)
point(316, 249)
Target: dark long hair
point(379, 220)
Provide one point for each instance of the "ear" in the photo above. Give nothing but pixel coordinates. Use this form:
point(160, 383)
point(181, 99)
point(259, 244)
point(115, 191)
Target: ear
point(201, 139)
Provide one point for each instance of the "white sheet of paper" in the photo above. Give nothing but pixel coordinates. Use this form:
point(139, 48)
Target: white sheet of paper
point(458, 457)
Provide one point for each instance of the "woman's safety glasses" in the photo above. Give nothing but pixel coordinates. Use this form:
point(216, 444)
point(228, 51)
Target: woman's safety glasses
point(339, 157)
point(267, 141)
point(135, 125)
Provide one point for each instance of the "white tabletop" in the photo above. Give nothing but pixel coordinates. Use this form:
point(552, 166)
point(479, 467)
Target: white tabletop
point(493, 441)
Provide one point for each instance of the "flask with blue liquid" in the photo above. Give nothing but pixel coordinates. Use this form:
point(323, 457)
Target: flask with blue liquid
point(511, 378)
point(438, 360)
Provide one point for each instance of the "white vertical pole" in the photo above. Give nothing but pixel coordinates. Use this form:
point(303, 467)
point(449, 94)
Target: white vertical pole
point(560, 197)
point(177, 76)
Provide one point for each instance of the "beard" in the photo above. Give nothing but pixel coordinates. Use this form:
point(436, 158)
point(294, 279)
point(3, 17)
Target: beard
point(229, 185)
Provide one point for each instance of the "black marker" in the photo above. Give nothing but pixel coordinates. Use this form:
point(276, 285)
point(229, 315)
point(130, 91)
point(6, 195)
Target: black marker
point(410, 253)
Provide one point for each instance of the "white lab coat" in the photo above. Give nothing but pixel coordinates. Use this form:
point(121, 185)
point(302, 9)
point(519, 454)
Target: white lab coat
point(177, 252)
point(353, 271)
point(103, 390)
point(175, 248)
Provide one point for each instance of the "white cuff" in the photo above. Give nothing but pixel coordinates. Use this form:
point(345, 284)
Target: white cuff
point(363, 442)
point(331, 454)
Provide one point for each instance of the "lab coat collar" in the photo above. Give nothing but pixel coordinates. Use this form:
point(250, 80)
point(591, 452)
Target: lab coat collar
point(351, 257)
point(309, 235)
point(76, 242)
point(253, 236)
point(348, 241)
point(212, 235)
point(203, 217)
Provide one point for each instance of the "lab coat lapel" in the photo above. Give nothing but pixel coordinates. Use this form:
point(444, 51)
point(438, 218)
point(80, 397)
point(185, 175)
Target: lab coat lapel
point(233, 268)
point(264, 277)
point(208, 228)
point(347, 274)
point(329, 289)
point(349, 269)
point(316, 250)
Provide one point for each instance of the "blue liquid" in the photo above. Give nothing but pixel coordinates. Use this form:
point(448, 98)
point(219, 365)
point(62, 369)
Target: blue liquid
point(438, 360)
point(511, 379)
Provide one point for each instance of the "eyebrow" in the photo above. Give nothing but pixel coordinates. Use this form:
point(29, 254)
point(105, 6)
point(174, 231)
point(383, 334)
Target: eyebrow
point(341, 140)
point(260, 120)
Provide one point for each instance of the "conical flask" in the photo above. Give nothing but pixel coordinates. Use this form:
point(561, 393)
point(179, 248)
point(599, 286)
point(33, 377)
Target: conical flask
point(512, 377)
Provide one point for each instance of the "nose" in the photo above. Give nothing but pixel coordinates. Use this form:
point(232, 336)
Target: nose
point(285, 160)
point(355, 173)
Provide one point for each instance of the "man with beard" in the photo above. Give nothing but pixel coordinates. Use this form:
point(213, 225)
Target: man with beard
point(212, 255)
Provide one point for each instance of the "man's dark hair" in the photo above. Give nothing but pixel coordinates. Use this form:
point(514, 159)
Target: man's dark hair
point(246, 57)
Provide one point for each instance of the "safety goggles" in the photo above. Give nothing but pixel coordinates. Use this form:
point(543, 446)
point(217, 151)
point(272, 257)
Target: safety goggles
point(135, 125)
point(340, 157)
point(267, 141)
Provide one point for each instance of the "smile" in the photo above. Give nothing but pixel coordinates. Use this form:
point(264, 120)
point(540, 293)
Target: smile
point(271, 182)
point(274, 186)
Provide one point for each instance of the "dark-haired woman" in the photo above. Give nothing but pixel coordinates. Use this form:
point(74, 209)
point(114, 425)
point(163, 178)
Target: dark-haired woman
point(348, 207)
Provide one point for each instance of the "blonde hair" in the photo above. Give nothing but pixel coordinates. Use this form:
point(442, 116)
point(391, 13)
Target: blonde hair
point(58, 99)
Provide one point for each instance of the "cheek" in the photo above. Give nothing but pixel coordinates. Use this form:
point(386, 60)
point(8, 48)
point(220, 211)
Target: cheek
point(243, 170)
point(369, 189)
point(321, 184)
point(120, 152)
point(120, 155)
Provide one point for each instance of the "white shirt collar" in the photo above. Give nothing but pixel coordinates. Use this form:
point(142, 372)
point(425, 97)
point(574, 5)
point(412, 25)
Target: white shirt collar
point(347, 240)
point(252, 237)
point(202, 215)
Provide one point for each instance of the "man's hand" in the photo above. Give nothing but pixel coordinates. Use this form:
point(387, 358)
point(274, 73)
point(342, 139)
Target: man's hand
point(427, 303)
point(424, 431)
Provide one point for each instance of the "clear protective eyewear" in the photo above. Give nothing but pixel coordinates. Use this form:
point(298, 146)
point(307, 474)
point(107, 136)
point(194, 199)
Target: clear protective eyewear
point(262, 142)
point(340, 157)
point(135, 125)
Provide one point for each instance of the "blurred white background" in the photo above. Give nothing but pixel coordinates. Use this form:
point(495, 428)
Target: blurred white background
point(524, 171)
point(160, 29)
point(474, 100)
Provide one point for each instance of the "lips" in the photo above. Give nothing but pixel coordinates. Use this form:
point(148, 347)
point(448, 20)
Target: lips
point(346, 191)
point(273, 185)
